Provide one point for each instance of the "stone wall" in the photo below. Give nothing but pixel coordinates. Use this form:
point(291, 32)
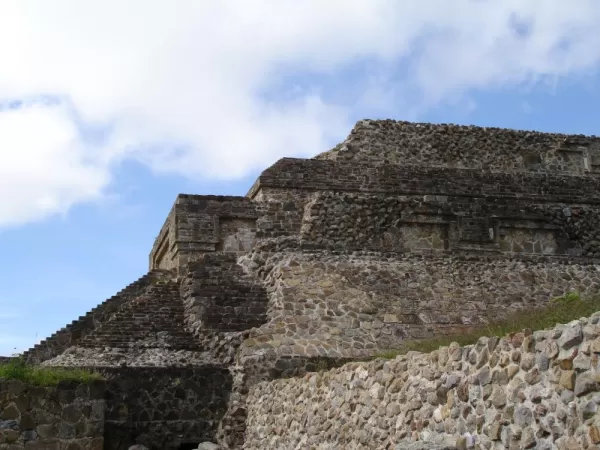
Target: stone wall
point(359, 176)
point(163, 408)
point(527, 390)
point(354, 304)
point(404, 224)
point(281, 211)
point(69, 415)
point(221, 303)
point(203, 223)
point(433, 145)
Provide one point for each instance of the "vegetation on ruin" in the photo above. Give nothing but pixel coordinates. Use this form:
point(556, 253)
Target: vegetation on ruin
point(18, 369)
point(564, 309)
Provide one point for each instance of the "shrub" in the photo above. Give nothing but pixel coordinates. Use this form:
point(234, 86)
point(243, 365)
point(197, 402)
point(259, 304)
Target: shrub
point(566, 308)
point(17, 369)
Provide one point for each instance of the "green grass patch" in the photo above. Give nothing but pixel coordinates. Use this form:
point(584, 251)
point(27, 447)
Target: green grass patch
point(17, 369)
point(570, 306)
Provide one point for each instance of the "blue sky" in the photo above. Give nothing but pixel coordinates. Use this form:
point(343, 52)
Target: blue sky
point(100, 130)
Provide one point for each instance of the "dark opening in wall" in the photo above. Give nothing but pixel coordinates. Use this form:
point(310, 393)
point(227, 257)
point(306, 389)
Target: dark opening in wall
point(189, 446)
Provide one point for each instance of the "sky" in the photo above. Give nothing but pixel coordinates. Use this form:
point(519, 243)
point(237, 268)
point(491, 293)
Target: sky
point(109, 109)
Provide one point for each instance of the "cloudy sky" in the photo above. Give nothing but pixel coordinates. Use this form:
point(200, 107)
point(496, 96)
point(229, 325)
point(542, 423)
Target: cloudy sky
point(110, 108)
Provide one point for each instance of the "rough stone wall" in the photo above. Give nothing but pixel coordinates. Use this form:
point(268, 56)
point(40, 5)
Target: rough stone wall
point(350, 305)
point(219, 297)
point(69, 415)
point(527, 390)
point(163, 408)
point(405, 224)
point(359, 176)
point(397, 142)
point(73, 333)
point(281, 211)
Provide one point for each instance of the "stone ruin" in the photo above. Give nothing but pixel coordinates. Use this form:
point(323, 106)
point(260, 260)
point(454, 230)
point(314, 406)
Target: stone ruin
point(402, 231)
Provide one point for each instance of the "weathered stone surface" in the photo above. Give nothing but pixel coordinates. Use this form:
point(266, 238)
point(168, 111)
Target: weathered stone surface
point(571, 336)
point(208, 446)
point(537, 408)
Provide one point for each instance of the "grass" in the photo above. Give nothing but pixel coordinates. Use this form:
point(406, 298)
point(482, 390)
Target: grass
point(17, 369)
point(570, 306)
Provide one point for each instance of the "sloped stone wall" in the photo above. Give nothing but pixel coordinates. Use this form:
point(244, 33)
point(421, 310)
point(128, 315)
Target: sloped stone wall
point(527, 390)
point(70, 415)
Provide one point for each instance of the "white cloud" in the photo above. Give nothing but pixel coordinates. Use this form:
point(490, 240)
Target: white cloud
point(44, 166)
point(180, 85)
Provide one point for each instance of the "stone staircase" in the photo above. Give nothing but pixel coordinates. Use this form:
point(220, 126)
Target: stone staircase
point(74, 332)
point(153, 320)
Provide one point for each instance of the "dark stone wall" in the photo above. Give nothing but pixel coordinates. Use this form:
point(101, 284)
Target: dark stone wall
point(163, 408)
point(281, 211)
point(444, 223)
point(435, 145)
point(66, 416)
point(221, 297)
point(162, 255)
point(221, 303)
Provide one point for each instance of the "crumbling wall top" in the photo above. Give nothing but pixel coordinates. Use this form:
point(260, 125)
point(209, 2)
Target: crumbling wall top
point(399, 142)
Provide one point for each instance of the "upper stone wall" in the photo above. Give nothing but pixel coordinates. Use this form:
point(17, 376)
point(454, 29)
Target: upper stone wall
point(425, 144)
point(364, 176)
point(404, 224)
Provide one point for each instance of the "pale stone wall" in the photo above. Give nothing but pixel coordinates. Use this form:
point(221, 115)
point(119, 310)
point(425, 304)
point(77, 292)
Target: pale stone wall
point(236, 235)
point(527, 390)
point(351, 305)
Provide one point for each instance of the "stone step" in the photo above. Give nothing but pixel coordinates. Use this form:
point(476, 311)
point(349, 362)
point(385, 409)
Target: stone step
point(157, 314)
point(50, 346)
